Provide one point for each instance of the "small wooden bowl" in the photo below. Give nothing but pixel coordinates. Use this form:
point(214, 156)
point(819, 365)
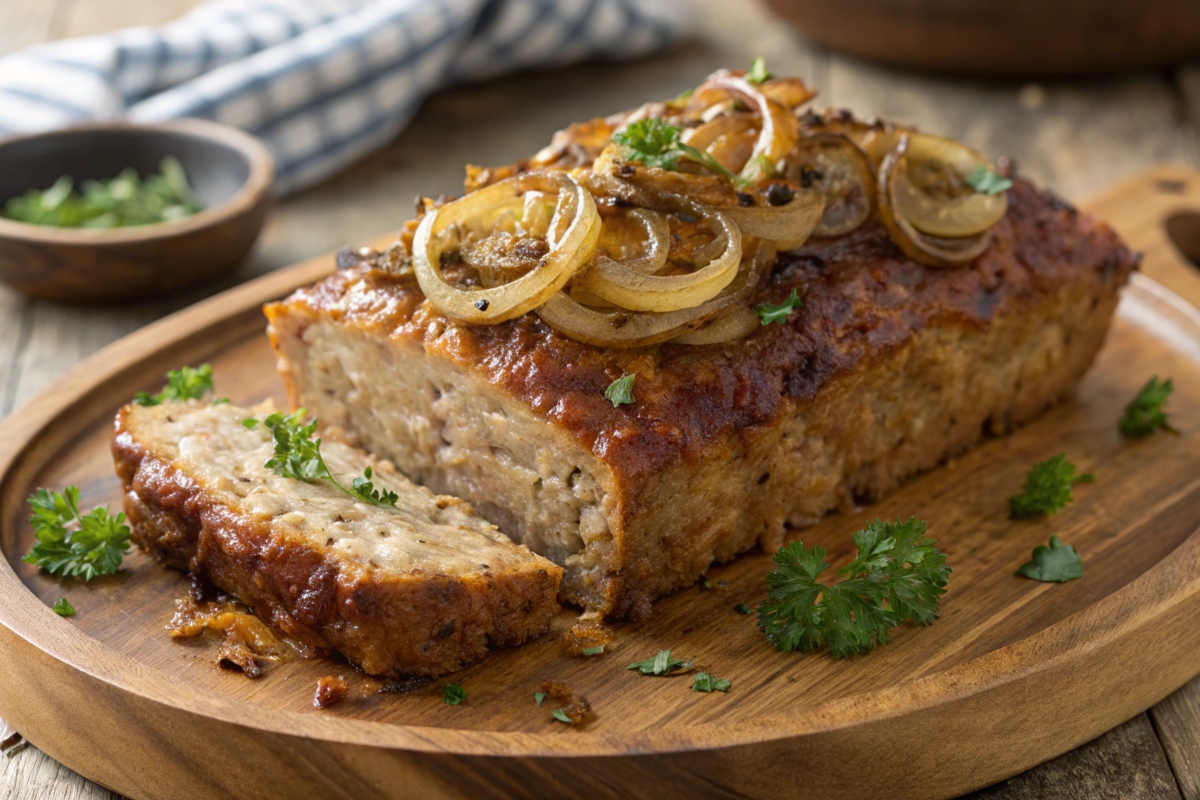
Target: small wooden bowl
point(229, 170)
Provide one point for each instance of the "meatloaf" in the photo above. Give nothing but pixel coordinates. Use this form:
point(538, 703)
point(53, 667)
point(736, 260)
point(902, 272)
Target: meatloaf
point(418, 589)
point(888, 368)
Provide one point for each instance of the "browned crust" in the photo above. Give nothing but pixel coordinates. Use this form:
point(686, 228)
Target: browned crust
point(385, 623)
point(863, 299)
point(866, 306)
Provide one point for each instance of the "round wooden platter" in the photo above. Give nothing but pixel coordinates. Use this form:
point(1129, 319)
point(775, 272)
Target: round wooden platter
point(1013, 673)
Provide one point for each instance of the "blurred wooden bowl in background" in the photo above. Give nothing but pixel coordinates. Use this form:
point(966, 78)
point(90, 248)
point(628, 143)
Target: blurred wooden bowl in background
point(1004, 38)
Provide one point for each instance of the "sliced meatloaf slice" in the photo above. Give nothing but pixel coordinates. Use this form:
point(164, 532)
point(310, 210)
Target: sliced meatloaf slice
point(887, 369)
point(421, 589)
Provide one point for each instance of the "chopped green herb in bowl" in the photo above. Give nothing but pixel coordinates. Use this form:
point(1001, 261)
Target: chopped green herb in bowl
point(123, 201)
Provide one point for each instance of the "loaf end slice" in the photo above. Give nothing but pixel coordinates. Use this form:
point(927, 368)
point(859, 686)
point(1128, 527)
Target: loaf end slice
point(422, 589)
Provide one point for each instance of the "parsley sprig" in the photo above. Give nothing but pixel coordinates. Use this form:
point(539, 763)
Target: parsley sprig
point(898, 575)
point(1144, 415)
point(298, 455)
point(1048, 488)
point(185, 383)
point(768, 313)
point(74, 544)
point(1057, 562)
point(656, 143)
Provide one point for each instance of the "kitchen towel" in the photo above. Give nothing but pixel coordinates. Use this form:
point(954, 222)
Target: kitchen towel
point(321, 82)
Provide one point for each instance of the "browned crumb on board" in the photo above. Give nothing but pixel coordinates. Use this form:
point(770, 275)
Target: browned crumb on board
point(585, 634)
point(577, 709)
point(331, 690)
point(248, 644)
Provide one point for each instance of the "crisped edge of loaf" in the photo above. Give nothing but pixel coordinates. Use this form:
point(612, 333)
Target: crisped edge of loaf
point(387, 624)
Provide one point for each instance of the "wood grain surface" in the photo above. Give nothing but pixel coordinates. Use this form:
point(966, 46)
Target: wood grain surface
point(954, 700)
point(1076, 136)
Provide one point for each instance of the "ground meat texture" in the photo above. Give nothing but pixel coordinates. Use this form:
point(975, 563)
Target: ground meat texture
point(887, 369)
point(419, 589)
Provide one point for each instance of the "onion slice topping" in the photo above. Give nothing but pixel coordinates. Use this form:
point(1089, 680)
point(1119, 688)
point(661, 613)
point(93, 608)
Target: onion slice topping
point(635, 290)
point(572, 234)
point(934, 251)
point(929, 189)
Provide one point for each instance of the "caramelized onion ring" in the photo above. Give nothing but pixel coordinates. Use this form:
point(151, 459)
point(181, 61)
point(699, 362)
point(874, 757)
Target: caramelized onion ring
point(779, 130)
point(934, 251)
point(788, 225)
point(572, 236)
point(928, 189)
point(625, 329)
point(658, 245)
point(637, 291)
point(843, 175)
point(739, 320)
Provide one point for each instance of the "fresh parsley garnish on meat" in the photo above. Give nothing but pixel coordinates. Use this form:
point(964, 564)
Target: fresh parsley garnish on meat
point(185, 383)
point(898, 575)
point(63, 607)
point(985, 181)
point(1144, 415)
point(620, 391)
point(707, 682)
point(768, 313)
point(656, 143)
point(364, 488)
point(661, 664)
point(1048, 488)
point(298, 455)
point(453, 694)
point(562, 716)
point(74, 544)
point(758, 71)
point(1057, 562)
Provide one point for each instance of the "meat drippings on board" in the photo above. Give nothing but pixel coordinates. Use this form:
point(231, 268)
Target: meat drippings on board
point(575, 707)
point(247, 644)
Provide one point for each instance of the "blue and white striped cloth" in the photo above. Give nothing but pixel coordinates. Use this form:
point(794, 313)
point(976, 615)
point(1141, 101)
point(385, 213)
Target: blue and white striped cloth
point(322, 82)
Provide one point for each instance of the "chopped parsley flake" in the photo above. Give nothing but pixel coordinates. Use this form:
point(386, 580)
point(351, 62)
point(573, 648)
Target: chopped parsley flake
point(538, 697)
point(743, 609)
point(1144, 415)
point(758, 71)
point(561, 716)
point(620, 391)
point(661, 664)
point(985, 181)
point(1056, 563)
point(593, 651)
point(707, 682)
point(63, 608)
point(1047, 488)
point(768, 313)
point(453, 694)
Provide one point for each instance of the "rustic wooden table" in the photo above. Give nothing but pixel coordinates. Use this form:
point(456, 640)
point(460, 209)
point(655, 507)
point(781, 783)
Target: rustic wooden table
point(1077, 137)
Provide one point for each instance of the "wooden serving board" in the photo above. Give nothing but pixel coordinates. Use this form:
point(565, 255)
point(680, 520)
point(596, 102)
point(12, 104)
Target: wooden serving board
point(1014, 673)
